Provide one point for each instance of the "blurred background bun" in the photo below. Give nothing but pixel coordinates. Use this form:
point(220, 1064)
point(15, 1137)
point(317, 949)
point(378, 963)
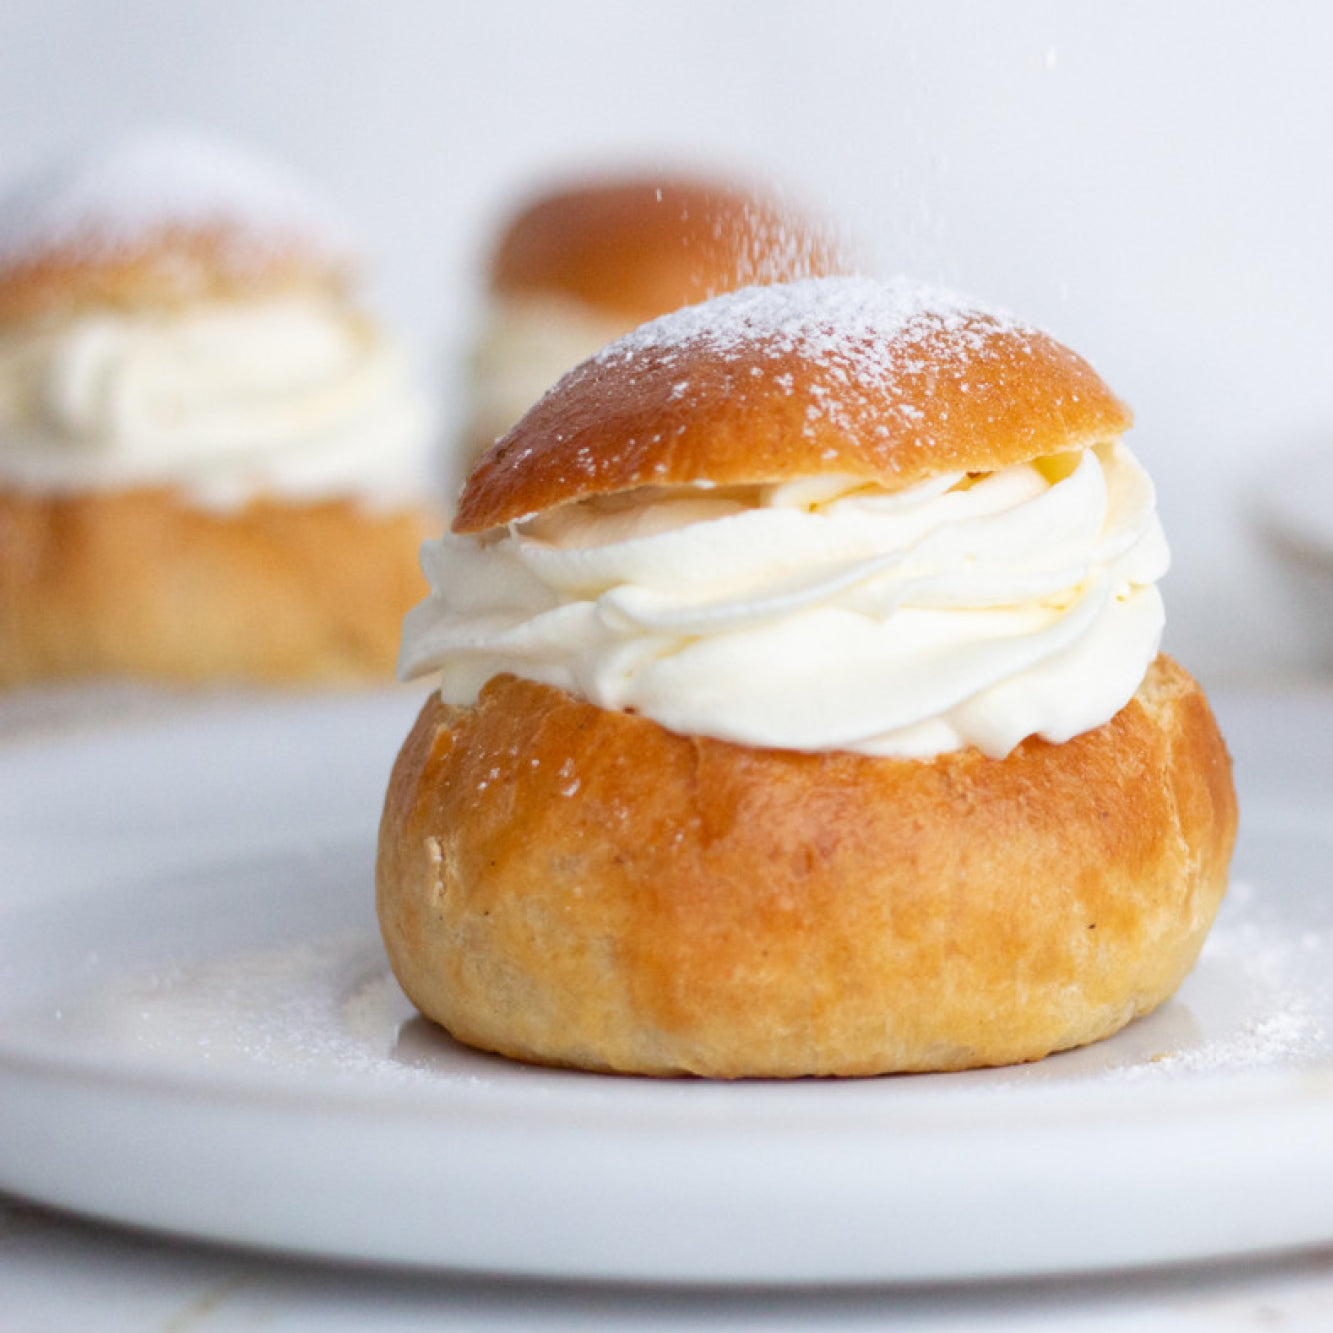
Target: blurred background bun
point(214, 463)
point(583, 263)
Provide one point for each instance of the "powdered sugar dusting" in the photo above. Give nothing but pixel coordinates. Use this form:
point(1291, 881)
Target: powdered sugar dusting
point(328, 1008)
point(867, 335)
point(776, 243)
point(1278, 982)
point(860, 324)
point(1260, 998)
point(876, 368)
point(160, 181)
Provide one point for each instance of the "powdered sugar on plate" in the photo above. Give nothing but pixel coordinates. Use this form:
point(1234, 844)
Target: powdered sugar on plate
point(329, 1009)
point(164, 180)
point(1259, 998)
point(1274, 981)
point(329, 1005)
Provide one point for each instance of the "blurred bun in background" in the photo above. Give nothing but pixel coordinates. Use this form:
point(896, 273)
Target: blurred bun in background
point(587, 261)
point(213, 463)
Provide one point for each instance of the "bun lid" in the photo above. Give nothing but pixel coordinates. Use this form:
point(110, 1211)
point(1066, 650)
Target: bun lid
point(161, 218)
point(637, 248)
point(892, 382)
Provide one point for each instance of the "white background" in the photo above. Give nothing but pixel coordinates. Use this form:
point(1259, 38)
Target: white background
point(1150, 180)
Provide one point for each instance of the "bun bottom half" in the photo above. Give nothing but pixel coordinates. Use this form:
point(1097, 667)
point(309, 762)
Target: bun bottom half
point(141, 583)
point(571, 886)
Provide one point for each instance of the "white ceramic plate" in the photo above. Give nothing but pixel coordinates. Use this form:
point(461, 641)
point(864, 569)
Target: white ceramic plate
point(198, 1033)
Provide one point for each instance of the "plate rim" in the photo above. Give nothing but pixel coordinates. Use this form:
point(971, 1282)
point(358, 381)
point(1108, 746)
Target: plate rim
point(1296, 1101)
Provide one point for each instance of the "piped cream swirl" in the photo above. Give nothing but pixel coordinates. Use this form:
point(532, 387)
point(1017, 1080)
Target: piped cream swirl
point(293, 396)
point(822, 614)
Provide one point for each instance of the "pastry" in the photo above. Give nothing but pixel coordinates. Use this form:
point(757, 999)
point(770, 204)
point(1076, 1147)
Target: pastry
point(213, 463)
point(583, 264)
point(802, 710)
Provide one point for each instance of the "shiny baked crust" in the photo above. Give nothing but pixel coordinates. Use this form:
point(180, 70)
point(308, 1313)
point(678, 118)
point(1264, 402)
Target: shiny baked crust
point(142, 583)
point(635, 249)
point(573, 886)
point(970, 393)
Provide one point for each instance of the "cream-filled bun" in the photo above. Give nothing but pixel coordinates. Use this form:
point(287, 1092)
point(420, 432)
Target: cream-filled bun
point(584, 263)
point(801, 708)
point(213, 463)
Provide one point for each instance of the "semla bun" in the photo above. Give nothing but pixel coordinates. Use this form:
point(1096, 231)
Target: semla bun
point(575, 885)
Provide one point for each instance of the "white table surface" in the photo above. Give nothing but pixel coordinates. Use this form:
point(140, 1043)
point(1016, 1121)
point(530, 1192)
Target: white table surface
point(60, 1272)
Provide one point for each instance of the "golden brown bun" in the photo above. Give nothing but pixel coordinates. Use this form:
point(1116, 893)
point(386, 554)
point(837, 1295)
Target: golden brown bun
point(954, 390)
point(639, 248)
point(164, 269)
point(142, 583)
point(569, 885)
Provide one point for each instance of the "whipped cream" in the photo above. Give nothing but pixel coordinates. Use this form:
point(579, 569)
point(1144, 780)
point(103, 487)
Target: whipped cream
point(524, 345)
point(823, 614)
point(288, 396)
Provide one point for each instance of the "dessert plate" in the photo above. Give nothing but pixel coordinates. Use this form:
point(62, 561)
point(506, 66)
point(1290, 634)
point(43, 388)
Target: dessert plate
point(199, 1034)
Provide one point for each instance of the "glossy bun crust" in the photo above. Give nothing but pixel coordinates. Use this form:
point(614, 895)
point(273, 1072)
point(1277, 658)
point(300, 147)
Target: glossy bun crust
point(635, 249)
point(573, 886)
point(678, 403)
point(141, 583)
